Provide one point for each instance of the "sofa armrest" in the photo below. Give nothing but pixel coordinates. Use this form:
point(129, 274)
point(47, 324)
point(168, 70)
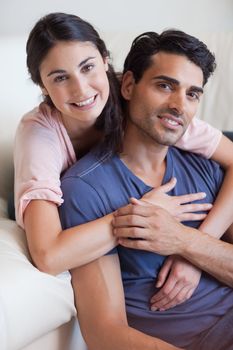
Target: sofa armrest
point(29, 299)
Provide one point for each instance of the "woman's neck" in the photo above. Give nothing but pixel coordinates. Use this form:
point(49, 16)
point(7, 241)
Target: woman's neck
point(85, 141)
point(83, 136)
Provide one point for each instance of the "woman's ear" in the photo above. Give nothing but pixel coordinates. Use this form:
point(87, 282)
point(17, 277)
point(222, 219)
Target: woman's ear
point(44, 91)
point(127, 85)
point(106, 60)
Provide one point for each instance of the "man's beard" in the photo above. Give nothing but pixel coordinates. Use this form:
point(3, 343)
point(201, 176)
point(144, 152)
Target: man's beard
point(168, 137)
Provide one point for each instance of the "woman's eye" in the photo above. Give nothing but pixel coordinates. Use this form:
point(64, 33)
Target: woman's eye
point(60, 78)
point(87, 67)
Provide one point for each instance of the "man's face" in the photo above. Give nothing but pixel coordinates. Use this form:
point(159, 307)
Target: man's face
point(162, 104)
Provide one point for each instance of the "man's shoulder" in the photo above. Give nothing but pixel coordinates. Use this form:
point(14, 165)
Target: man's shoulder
point(193, 159)
point(88, 165)
point(196, 168)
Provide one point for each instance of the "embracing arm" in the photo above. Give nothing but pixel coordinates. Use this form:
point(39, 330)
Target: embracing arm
point(54, 250)
point(210, 254)
point(221, 216)
point(202, 138)
point(101, 309)
point(40, 155)
point(162, 234)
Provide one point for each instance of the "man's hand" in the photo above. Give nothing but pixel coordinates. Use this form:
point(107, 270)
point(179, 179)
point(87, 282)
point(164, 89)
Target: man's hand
point(178, 279)
point(181, 207)
point(152, 228)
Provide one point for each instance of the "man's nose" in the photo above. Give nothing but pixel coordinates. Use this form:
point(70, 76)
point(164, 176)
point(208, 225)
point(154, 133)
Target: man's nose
point(177, 102)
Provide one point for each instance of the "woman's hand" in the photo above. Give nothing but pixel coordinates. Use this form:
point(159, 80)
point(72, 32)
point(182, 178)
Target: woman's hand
point(178, 206)
point(178, 280)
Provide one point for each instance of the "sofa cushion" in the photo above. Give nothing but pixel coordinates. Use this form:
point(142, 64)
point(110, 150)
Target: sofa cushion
point(32, 302)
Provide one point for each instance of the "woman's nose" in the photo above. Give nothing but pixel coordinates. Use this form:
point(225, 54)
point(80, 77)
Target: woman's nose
point(79, 87)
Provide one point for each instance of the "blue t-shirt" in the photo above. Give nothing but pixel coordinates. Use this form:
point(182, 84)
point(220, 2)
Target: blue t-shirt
point(97, 185)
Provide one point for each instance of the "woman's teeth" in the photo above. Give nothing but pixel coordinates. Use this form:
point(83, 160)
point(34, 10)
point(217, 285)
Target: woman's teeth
point(86, 102)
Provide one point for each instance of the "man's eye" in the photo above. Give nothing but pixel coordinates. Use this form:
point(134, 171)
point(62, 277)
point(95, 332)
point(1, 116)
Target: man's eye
point(194, 96)
point(60, 78)
point(87, 67)
point(165, 86)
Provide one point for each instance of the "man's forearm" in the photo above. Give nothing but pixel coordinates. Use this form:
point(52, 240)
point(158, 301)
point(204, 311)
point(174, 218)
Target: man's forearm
point(209, 254)
point(123, 337)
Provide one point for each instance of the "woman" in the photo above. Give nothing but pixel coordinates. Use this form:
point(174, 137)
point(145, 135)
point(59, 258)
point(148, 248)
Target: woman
point(69, 61)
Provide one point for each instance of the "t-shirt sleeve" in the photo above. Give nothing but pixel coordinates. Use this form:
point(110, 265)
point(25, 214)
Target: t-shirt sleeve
point(82, 203)
point(201, 138)
point(38, 163)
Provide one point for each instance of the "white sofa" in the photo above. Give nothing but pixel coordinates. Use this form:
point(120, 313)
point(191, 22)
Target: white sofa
point(37, 310)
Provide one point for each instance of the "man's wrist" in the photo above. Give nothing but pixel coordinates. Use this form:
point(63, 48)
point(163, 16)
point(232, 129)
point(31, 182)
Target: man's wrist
point(188, 241)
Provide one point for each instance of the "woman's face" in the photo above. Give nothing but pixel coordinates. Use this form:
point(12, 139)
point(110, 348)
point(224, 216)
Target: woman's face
point(74, 75)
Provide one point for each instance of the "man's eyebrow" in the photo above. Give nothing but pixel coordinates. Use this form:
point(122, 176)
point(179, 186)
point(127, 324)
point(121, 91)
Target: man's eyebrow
point(59, 71)
point(197, 89)
point(168, 79)
point(176, 82)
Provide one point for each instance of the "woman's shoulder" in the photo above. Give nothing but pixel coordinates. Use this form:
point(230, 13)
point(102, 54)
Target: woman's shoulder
point(42, 115)
point(41, 131)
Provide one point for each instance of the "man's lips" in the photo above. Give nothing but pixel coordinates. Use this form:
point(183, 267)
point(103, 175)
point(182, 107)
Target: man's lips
point(171, 119)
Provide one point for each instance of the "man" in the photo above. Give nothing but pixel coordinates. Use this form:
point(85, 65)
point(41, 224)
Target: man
point(163, 82)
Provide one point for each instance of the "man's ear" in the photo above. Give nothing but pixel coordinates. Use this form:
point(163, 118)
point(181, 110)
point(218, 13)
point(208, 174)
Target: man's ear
point(127, 85)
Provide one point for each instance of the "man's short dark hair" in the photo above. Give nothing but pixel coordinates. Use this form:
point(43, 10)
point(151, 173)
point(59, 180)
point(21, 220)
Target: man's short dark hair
point(170, 41)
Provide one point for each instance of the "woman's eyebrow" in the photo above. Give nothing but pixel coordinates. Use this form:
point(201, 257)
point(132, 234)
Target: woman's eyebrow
point(59, 71)
point(56, 71)
point(86, 60)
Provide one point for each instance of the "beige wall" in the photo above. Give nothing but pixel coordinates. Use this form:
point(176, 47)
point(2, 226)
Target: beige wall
point(17, 17)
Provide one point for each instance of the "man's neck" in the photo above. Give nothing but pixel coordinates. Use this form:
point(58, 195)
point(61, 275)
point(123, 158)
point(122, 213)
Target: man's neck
point(143, 156)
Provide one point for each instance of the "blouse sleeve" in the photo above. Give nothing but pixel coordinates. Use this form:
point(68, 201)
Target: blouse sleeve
point(38, 162)
point(201, 138)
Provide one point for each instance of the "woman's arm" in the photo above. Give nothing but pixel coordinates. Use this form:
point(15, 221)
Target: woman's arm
point(54, 250)
point(221, 215)
point(204, 139)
